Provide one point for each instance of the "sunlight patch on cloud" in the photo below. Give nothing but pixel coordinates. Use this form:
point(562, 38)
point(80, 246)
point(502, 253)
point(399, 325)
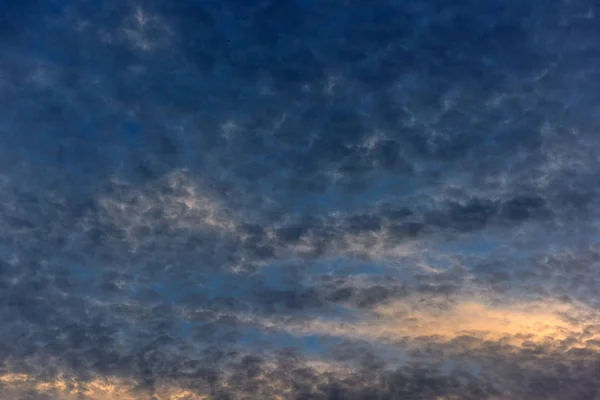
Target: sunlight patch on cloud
point(516, 325)
point(271, 384)
point(68, 388)
point(183, 205)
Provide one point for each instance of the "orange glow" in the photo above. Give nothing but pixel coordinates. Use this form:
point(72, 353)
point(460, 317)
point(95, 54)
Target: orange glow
point(98, 389)
point(537, 322)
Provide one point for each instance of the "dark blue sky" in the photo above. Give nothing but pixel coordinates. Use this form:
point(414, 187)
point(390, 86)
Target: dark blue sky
point(288, 199)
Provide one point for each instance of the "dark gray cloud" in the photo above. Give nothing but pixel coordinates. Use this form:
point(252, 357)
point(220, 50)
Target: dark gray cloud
point(303, 199)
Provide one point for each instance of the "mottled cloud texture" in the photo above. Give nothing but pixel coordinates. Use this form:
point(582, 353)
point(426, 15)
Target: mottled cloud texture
point(299, 199)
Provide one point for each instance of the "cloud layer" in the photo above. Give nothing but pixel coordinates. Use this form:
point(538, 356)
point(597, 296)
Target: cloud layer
point(299, 200)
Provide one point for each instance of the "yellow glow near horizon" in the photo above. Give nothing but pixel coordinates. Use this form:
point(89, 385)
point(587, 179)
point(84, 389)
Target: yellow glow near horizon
point(516, 324)
point(480, 320)
point(97, 389)
point(535, 322)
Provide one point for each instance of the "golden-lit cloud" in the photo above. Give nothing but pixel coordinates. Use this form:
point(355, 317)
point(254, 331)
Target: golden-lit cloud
point(68, 388)
point(517, 324)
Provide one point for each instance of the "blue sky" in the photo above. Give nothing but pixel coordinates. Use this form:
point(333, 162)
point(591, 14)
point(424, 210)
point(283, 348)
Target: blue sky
point(299, 199)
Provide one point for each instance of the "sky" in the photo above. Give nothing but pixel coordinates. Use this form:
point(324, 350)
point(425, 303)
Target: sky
point(299, 199)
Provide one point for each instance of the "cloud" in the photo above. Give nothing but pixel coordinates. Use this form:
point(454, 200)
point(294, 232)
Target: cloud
point(310, 200)
point(17, 385)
